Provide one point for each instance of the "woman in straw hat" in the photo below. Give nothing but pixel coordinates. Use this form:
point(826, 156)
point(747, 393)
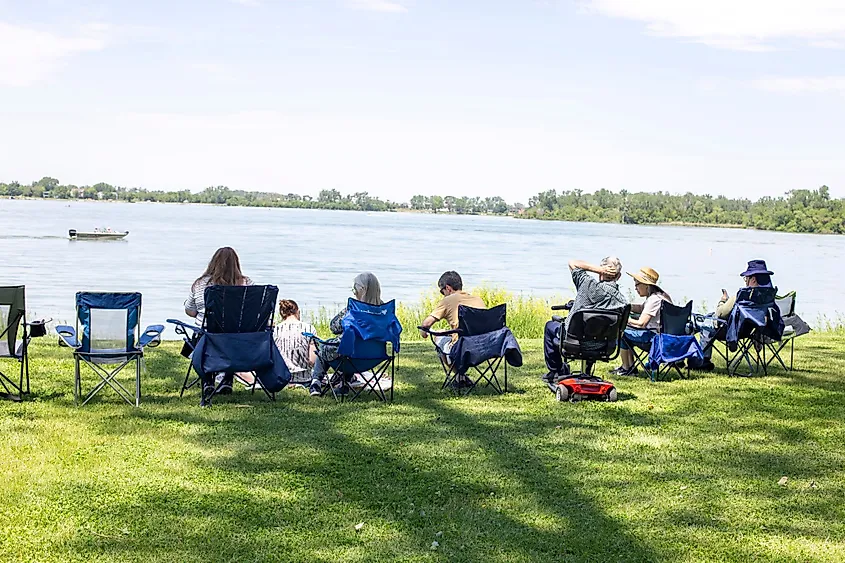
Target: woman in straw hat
point(641, 330)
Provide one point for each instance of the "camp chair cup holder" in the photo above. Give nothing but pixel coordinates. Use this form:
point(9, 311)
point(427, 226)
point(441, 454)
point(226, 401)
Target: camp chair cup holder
point(38, 328)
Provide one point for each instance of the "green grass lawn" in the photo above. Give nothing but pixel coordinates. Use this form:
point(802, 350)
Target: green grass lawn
point(685, 470)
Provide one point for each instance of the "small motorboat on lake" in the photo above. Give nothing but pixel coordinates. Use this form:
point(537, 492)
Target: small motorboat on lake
point(97, 234)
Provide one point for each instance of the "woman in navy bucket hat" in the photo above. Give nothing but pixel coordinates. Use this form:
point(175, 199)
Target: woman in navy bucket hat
point(756, 267)
point(757, 274)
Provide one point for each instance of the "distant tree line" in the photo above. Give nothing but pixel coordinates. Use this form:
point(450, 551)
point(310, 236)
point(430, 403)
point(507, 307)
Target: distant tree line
point(802, 211)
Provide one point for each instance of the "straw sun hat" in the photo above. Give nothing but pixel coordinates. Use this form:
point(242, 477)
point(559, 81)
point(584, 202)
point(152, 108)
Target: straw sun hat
point(646, 276)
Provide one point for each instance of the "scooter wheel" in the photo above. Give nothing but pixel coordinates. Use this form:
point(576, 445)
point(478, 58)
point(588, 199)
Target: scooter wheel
point(611, 395)
point(561, 393)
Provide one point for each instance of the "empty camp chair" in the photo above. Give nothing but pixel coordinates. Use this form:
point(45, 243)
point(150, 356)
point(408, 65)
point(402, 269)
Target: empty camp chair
point(754, 319)
point(363, 349)
point(236, 336)
point(484, 343)
point(593, 336)
point(106, 338)
point(12, 320)
point(794, 326)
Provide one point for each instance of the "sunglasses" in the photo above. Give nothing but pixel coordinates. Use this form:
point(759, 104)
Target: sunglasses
point(442, 291)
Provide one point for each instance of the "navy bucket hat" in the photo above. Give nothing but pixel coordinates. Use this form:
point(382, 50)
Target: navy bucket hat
point(757, 267)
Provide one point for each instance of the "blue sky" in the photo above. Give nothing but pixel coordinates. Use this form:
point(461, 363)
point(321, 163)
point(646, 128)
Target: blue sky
point(398, 97)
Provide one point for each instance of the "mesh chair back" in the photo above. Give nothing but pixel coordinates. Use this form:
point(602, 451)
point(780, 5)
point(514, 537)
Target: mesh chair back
point(472, 321)
point(237, 309)
point(12, 309)
point(675, 320)
point(593, 334)
point(109, 321)
point(757, 295)
point(786, 304)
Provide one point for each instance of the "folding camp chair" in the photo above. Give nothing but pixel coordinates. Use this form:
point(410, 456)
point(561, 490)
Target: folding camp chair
point(363, 349)
point(592, 336)
point(794, 326)
point(12, 319)
point(109, 341)
point(484, 344)
point(673, 343)
point(754, 319)
point(236, 336)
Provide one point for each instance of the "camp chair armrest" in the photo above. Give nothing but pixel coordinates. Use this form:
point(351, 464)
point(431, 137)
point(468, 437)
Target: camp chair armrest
point(183, 327)
point(566, 307)
point(315, 338)
point(67, 336)
point(428, 330)
point(151, 336)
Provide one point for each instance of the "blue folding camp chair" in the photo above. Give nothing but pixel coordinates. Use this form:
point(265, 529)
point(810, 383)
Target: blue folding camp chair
point(672, 343)
point(754, 319)
point(12, 319)
point(363, 349)
point(108, 337)
point(236, 336)
point(484, 343)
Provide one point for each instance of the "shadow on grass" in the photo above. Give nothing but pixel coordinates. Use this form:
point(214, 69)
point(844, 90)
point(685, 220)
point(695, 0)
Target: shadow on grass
point(470, 476)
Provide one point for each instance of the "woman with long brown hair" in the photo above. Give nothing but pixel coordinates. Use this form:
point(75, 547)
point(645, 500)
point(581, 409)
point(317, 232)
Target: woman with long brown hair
point(224, 268)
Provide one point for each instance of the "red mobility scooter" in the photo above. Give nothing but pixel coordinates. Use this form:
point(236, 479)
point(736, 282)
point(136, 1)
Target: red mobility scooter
point(592, 336)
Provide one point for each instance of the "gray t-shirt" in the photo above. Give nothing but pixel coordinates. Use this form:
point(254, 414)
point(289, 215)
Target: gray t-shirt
point(594, 294)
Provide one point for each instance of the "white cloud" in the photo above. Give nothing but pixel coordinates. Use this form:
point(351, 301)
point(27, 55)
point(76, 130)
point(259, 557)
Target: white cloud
point(747, 25)
point(802, 84)
point(390, 6)
point(28, 55)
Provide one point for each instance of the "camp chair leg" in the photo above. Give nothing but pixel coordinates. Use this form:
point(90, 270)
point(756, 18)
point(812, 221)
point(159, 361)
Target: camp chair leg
point(138, 381)
point(77, 383)
point(185, 385)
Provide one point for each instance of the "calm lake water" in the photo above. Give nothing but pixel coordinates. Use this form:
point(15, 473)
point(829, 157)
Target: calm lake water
point(313, 255)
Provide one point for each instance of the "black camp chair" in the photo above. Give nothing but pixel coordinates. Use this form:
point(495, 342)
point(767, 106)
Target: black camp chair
point(592, 336)
point(674, 321)
point(794, 326)
point(237, 311)
point(13, 319)
point(484, 344)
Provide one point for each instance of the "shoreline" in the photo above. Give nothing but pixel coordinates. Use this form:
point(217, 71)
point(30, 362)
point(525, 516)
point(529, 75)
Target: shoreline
point(520, 216)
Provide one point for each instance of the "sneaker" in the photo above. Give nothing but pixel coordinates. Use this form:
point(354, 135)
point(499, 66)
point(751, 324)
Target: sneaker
point(316, 388)
point(360, 379)
point(622, 371)
point(342, 390)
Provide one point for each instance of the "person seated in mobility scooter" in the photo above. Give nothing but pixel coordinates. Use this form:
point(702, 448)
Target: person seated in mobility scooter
point(591, 335)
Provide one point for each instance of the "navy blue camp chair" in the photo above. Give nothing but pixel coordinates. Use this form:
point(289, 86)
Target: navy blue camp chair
point(754, 320)
point(106, 339)
point(236, 336)
point(672, 343)
point(363, 349)
point(13, 319)
point(484, 344)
